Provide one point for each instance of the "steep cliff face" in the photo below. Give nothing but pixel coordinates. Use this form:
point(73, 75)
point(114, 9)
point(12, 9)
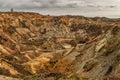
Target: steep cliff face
point(62, 46)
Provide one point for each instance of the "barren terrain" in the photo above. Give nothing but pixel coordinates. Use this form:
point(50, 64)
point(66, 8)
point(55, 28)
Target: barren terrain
point(53, 47)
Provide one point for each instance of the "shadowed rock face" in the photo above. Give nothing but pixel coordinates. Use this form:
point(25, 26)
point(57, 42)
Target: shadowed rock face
point(58, 46)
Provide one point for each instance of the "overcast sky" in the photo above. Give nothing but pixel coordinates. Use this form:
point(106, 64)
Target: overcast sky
point(61, 7)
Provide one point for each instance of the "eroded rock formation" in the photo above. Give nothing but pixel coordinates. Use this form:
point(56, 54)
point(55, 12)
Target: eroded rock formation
point(58, 46)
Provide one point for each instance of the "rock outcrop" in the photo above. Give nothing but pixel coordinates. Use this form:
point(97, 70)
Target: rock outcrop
point(58, 46)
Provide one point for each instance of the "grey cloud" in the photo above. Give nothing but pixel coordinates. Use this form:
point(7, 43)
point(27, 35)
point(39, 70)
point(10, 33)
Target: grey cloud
point(56, 3)
point(61, 7)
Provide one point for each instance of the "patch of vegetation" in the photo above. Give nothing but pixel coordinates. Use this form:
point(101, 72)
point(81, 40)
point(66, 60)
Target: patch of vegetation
point(38, 24)
point(24, 25)
point(10, 30)
point(36, 43)
point(52, 78)
point(10, 57)
point(3, 71)
point(32, 78)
